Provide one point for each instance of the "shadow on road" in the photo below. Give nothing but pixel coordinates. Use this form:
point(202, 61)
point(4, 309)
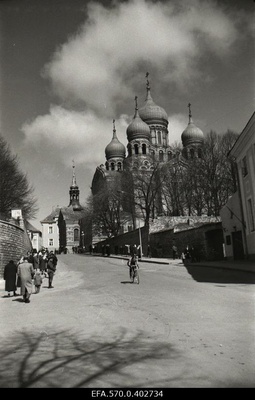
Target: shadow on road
point(219, 275)
point(61, 359)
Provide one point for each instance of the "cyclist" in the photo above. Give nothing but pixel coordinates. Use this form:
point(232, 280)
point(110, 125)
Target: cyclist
point(132, 263)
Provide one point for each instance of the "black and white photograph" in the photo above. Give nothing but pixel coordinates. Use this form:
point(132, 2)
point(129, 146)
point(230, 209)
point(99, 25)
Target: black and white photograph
point(127, 195)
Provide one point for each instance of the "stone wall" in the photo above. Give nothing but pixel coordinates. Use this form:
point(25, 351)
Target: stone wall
point(14, 242)
point(121, 244)
point(207, 239)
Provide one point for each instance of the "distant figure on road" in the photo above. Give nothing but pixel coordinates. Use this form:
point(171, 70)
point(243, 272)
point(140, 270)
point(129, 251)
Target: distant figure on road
point(26, 273)
point(10, 277)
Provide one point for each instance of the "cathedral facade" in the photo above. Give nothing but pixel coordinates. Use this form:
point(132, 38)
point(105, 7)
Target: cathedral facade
point(148, 144)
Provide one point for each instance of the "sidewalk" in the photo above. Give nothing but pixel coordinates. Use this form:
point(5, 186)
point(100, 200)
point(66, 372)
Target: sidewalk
point(238, 265)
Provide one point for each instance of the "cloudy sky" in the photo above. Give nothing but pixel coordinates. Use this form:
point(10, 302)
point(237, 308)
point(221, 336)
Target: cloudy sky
point(69, 67)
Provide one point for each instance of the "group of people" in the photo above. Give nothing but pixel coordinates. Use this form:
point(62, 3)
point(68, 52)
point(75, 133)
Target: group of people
point(30, 269)
point(189, 254)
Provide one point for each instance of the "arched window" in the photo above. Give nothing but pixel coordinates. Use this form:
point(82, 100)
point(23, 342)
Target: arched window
point(107, 166)
point(169, 155)
point(129, 151)
point(136, 148)
point(161, 155)
point(153, 154)
point(119, 166)
point(159, 138)
point(192, 153)
point(112, 166)
point(144, 148)
point(76, 234)
point(199, 153)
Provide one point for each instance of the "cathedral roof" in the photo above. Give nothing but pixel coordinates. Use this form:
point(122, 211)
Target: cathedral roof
point(192, 134)
point(115, 148)
point(151, 112)
point(137, 129)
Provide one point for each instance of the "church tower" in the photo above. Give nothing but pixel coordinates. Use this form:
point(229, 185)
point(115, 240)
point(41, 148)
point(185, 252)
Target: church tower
point(192, 139)
point(74, 193)
point(114, 153)
point(157, 120)
point(138, 135)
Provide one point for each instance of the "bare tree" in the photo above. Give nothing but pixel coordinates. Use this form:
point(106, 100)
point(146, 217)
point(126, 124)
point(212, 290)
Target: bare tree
point(201, 185)
point(15, 190)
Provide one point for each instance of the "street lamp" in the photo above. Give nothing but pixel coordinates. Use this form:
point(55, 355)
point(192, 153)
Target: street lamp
point(139, 229)
point(82, 237)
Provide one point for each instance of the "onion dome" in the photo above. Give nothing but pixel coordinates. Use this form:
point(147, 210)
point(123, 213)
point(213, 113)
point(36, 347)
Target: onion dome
point(192, 134)
point(138, 129)
point(151, 112)
point(115, 149)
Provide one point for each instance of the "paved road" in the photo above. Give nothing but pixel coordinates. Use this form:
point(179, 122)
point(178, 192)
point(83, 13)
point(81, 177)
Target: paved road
point(178, 328)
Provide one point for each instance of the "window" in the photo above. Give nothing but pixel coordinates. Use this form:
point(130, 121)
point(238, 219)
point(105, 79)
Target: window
point(228, 240)
point(144, 148)
point(112, 166)
point(251, 215)
point(161, 155)
point(136, 148)
point(244, 166)
point(159, 138)
point(50, 229)
point(169, 156)
point(119, 166)
point(50, 242)
point(76, 234)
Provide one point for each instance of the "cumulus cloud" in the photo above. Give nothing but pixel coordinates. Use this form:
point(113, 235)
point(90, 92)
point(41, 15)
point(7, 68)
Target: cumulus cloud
point(96, 64)
point(101, 66)
point(82, 134)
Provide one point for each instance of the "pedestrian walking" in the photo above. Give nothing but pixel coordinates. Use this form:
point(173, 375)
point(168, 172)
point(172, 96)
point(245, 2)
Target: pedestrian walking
point(175, 252)
point(43, 263)
point(38, 280)
point(10, 277)
point(26, 274)
point(51, 268)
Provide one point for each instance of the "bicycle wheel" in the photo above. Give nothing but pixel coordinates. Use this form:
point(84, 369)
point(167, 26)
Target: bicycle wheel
point(137, 279)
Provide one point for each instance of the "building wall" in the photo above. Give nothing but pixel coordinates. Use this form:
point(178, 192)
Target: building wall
point(50, 233)
point(14, 243)
point(243, 152)
point(231, 216)
point(207, 239)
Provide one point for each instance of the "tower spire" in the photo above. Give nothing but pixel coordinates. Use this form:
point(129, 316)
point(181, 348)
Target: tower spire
point(148, 87)
point(74, 177)
point(136, 107)
point(114, 129)
point(190, 115)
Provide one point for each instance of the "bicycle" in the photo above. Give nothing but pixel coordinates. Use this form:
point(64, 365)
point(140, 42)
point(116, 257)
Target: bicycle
point(135, 275)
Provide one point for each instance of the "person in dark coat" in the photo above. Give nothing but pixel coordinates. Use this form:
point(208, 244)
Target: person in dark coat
point(10, 277)
point(51, 268)
point(26, 274)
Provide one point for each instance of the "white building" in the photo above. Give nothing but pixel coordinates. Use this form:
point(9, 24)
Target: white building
point(50, 231)
point(240, 232)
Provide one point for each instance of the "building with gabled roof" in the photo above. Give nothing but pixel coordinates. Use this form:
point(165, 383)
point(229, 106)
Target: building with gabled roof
point(50, 231)
point(35, 235)
point(68, 220)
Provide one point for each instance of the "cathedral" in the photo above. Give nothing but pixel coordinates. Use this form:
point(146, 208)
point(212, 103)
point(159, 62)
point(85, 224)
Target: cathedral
point(148, 144)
